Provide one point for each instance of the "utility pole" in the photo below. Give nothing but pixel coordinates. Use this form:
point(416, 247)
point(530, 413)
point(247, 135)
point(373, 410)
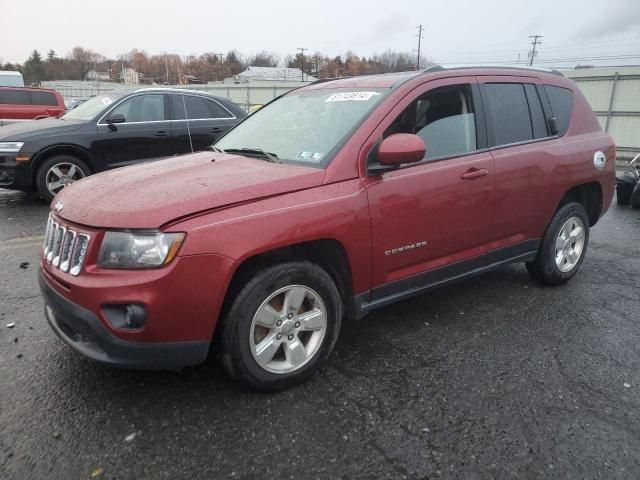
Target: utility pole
point(535, 42)
point(302, 60)
point(420, 37)
point(166, 66)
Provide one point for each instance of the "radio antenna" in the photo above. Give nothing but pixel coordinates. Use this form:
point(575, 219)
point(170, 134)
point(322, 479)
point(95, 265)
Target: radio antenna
point(184, 105)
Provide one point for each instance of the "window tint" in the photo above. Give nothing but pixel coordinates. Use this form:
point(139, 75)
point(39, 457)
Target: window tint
point(142, 108)
point(217, 110)
point(443, 118)
point(14, 97)
point(509, 113)
point(537, 114)
point(561, 102)
point(197, 108)
point(43, 98)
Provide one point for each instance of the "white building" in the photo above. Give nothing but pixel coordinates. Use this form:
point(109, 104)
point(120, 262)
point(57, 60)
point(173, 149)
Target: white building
point(614, 95)
point(129, 76)
point(270, 74)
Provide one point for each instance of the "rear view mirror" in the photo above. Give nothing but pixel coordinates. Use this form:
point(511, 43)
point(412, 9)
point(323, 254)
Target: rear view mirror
point(553, 125)
point(398, 149)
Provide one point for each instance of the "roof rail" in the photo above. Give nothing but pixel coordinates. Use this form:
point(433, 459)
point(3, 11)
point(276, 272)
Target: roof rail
point(440, 68)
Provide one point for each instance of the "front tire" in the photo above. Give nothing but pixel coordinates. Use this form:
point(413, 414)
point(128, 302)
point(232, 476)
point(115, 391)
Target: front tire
point(58, 172)
point(281, 326)
point(563, 246)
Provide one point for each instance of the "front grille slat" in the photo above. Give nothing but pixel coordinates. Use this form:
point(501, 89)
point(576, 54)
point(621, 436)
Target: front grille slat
point(65, 248)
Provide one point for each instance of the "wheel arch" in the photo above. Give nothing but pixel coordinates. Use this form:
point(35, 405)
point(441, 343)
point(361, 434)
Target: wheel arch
point(328, 253)
point(589, 195)
point(69, 149)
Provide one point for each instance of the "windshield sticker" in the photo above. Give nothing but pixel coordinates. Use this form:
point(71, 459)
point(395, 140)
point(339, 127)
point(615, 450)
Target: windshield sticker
point(310, 156)
point(107, 101)
point(351, 96)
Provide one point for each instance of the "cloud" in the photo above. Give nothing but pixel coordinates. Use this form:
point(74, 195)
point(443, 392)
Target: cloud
point(621, 19)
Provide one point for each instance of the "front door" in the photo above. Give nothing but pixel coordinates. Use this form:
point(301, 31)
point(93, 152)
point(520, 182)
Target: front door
point(144, 135)
point(432, 220)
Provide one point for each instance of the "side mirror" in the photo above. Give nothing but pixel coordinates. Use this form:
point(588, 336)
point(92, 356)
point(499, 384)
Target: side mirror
point(116, 118)
point(396, 150)
point(553, 125)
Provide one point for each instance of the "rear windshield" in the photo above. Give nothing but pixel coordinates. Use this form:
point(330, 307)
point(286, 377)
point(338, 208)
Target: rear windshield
point(92, 108)
point(305, 127)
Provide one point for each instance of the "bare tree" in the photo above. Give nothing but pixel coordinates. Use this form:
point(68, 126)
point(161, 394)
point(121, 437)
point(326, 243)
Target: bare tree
point(83, 59)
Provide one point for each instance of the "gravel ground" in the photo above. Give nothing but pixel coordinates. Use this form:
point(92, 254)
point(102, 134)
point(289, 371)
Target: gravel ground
point(495, 377)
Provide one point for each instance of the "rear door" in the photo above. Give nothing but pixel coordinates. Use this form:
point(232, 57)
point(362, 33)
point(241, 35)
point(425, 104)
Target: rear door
point(519, 140)
point(203, 118)
point(145, 134)
point(432, 220)
point(46, 103)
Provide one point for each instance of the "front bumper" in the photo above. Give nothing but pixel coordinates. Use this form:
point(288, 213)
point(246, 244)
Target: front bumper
point(85, 333)
point(14, 174)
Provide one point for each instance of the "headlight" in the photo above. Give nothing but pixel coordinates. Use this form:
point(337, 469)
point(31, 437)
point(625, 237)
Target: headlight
point(138, 250)
point(10, 147)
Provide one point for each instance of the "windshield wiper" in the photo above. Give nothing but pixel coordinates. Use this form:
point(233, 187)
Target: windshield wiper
point(271, 157)
point(215, 149)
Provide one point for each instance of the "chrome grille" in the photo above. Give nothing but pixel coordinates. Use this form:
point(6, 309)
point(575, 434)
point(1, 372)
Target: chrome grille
point(65, 248)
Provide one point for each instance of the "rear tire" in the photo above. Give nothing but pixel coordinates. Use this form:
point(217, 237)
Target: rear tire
point(57, 172)
point(281, 326)
point(563, 246)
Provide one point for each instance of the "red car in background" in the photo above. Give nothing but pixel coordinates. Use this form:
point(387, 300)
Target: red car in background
point(18, 104)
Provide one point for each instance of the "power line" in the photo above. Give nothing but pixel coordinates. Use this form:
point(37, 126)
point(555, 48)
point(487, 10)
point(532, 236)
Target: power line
point(534, 43)
point(302, 60)
point(420, 37)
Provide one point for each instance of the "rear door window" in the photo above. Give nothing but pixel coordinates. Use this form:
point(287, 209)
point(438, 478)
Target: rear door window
point(508, 111)
point(197, 108)
point(561, 100)
point(43, 98)
point(14, 97)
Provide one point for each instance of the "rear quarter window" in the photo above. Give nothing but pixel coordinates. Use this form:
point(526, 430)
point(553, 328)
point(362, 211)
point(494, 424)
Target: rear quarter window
point(43, 98)
point(561, 100)
point(14, 97)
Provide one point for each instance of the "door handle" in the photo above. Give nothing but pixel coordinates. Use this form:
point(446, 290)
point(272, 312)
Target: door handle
point(216, 130)
point(160, 133)
point(474, 173)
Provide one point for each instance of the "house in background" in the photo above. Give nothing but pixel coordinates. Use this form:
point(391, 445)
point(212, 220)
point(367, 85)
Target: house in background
point(189, 80)
point(129, 76)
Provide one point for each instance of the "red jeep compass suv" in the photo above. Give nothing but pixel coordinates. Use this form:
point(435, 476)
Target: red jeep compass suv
point(335, 199)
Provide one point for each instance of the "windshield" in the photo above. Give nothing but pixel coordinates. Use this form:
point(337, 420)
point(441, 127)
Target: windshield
point(303, 127)
point(92, 108)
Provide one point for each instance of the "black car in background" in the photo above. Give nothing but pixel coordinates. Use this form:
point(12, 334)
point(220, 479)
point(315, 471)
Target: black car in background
point(111, 130)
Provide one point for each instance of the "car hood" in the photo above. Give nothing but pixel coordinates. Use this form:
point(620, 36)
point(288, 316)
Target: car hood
point(21, 131)
point(152, 194)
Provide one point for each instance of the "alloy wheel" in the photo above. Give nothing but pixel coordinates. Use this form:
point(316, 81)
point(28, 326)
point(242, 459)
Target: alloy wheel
point(288, 329)
point(570, 244)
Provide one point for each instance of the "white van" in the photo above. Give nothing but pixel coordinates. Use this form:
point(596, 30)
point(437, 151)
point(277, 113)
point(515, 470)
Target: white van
point(11, 79)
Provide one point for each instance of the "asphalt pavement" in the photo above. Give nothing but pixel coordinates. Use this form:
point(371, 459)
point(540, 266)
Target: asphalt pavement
point(494, 377)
